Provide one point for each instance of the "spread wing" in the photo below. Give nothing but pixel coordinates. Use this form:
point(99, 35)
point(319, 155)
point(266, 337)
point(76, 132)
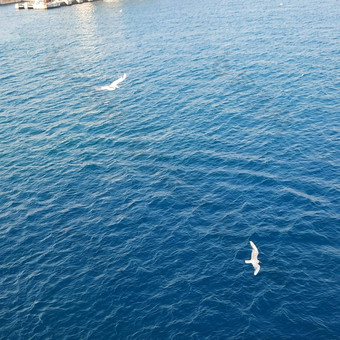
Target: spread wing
point(115, 83)
point(256, 268)
point(119, 80)
point(255, 252)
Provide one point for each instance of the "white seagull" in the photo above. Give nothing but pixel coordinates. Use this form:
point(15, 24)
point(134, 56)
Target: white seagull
point(254, 261)
point(114, 85)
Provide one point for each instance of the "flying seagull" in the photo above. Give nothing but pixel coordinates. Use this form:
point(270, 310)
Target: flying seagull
point(254, 261)
point(114, 85)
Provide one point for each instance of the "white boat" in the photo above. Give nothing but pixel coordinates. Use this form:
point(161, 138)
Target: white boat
point(41, 4)
point(38, 4)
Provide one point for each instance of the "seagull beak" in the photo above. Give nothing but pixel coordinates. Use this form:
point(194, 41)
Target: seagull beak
point(260, 261)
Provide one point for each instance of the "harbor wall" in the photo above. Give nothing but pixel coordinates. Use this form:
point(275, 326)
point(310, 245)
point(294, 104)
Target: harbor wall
point(6, 2)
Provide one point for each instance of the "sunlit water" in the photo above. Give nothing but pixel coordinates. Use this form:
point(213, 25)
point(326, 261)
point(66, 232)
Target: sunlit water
point(127, 214)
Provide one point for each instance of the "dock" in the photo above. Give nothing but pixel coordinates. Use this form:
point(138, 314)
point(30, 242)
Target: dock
point(7, 2)
point(47, 4)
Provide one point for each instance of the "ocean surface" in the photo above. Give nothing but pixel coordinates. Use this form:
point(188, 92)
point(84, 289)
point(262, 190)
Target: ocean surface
point(127, 214)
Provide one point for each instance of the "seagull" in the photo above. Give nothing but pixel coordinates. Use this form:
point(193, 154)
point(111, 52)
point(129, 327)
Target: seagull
point(114, 85)
point(254, 261)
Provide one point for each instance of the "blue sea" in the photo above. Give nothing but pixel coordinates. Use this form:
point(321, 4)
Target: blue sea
point(127, 214)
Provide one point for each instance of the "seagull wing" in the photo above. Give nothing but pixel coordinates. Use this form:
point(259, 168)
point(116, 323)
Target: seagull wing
point(119, 80)
point(256, 268)
point(115, 83)
point(255, 252)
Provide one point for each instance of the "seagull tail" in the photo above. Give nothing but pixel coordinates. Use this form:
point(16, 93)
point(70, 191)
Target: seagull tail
point(247, 261)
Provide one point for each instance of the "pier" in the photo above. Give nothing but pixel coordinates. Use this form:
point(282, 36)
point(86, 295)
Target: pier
point(47, 4)
point(7, 2)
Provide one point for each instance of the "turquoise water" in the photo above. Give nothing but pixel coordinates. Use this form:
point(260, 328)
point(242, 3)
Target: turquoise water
point(127, 214)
